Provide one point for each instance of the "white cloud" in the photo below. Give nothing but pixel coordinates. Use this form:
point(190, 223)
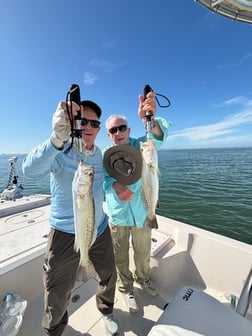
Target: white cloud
point(242, 60)
point(224, 127)
point(227, 141)
point(109, 45)
point(245, 57)
point(89, 78)
point(240, 100)
point(107, 66)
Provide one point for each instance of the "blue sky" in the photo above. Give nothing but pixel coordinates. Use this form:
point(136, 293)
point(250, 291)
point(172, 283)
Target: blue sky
point(202, 61)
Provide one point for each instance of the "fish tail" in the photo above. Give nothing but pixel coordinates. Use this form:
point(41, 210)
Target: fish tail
point(86, 271)
point(151, 222)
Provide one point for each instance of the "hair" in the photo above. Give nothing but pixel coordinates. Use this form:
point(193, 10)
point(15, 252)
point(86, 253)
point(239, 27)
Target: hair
point(93, 106)
point(117, 117)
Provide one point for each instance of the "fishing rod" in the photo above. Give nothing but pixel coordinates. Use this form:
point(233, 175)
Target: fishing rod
point(148, 114)
point(150, 123)
point(73, 95)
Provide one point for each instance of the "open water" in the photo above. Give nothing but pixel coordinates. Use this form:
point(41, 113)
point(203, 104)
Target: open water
point(207, 188)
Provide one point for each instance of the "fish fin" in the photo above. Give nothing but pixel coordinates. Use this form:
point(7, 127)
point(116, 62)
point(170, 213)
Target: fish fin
point(76, 248)
point(154, 223)
point(76, 244)
point(150, 144)
point(86, 272)
point(94, 235)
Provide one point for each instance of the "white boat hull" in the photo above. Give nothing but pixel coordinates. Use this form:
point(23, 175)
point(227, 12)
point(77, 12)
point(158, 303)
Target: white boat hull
point(183, 255)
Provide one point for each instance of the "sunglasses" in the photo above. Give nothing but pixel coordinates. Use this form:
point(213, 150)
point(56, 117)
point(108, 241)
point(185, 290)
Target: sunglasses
point(121, 128)
point(93, 123)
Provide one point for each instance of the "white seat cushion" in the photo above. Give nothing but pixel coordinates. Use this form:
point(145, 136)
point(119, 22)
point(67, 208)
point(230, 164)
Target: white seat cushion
point(195, 313)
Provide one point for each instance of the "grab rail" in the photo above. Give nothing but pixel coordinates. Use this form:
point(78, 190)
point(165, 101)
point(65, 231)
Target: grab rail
point(246, 296)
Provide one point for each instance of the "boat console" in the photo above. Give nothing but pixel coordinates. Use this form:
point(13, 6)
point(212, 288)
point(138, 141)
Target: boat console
point(192, 312)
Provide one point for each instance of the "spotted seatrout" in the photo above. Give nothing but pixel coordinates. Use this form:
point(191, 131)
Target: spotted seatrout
point(84, 217)
point(150, 181)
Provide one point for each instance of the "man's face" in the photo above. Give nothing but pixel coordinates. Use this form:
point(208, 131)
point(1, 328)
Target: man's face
point(90, 121)
point(118, 131)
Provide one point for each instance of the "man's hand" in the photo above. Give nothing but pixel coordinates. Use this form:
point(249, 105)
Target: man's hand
point(124, 193)
point(61, 124)
point(147, 104)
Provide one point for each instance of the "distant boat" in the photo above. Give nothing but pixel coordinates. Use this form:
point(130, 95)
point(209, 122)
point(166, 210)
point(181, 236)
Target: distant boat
point(13, 189)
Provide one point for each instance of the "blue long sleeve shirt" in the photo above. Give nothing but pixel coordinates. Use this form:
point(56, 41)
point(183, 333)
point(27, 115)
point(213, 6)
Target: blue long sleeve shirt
point(45, 158)
point(132, 212)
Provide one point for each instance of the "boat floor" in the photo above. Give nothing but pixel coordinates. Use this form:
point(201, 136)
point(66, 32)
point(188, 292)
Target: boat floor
point(85, 319)
point(178, 260)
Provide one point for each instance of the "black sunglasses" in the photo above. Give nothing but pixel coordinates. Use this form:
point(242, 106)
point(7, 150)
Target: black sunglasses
point(121, 128)
point(93, 123)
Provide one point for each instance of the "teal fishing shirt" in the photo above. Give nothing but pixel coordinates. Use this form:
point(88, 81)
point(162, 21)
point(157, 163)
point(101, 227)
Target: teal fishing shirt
point(130, 213)
point(45, 158)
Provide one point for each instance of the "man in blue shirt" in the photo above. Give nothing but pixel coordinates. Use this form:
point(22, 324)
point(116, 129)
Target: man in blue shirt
point(126, 210)
point(61, 260)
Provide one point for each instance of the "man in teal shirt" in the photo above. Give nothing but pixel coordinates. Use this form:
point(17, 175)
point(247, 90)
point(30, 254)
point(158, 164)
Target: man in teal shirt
point(125, 206)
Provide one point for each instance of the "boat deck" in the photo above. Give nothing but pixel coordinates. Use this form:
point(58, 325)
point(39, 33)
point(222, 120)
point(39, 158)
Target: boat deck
point(23, 229)
point(180, 257)
point(85, 319)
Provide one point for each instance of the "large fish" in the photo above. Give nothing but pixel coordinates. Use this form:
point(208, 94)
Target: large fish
point(150, 181)
point(84, 218)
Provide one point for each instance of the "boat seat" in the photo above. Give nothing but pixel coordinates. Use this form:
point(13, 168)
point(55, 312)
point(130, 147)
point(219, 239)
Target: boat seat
point(192, 312)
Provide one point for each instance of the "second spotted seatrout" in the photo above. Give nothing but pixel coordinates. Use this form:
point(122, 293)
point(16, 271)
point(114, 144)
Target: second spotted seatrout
point(84, 216)
point(150, 181)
